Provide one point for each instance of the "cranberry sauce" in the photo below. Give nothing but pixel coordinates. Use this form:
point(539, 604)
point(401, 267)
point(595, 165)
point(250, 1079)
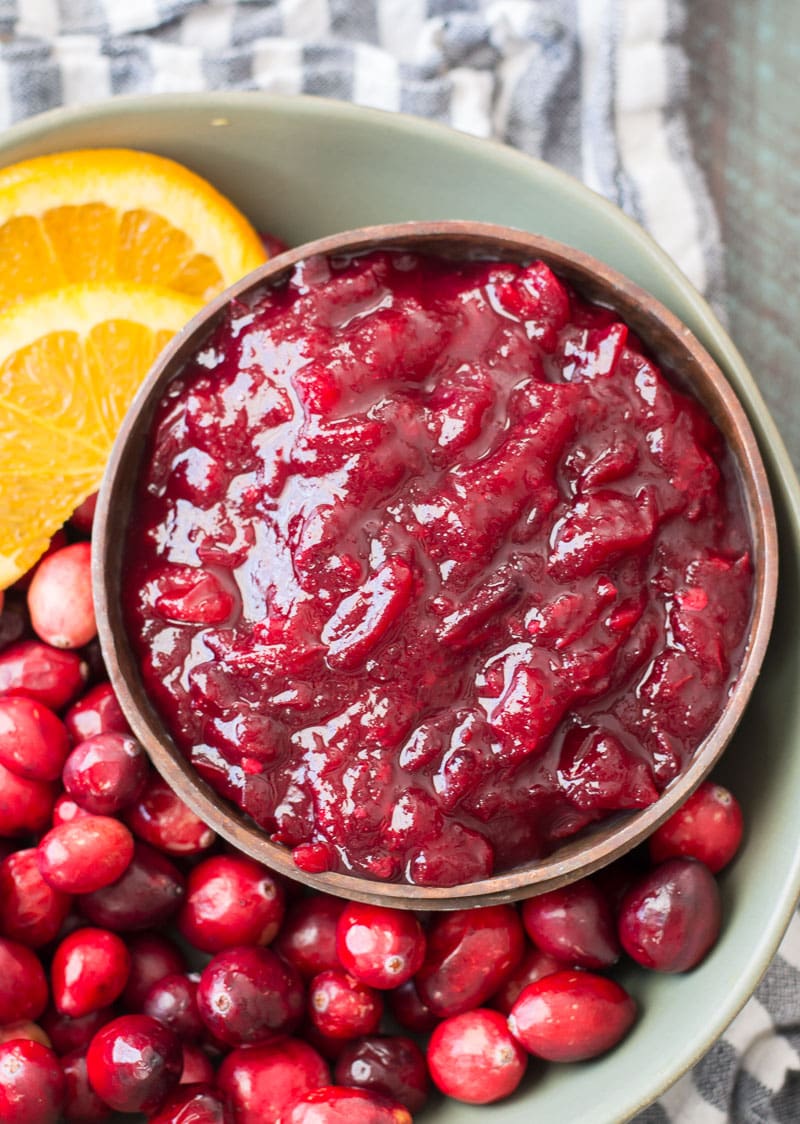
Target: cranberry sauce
point(431, 566)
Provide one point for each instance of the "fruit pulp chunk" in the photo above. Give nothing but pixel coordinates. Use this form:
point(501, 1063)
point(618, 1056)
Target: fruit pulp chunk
point(432, 566)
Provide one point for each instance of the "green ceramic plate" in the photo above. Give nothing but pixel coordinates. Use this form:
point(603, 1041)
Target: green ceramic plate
point(302, 168)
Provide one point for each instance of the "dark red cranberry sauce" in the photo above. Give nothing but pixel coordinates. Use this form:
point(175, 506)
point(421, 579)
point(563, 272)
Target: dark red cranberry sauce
point(431, 566)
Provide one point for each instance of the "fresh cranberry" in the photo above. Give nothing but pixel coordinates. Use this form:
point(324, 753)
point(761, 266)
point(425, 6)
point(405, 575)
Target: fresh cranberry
point(97, 712)
point(134, 1063)
point(153, 956)
point(106, 772)
point(261, 1082)
point(474, 1058)
point(192, 1104)
point(335, 1103)
point(161, 818)
point(471, 953)
point(36, 671)
point(248, 995)
point(89, 971)
point(410, 1011)
point(24, 1028)
point(231, 900)
point(81, 1105)
point(173, 1001)
point(59, 540)
point(671, 917)
point(67, 1034)
point(14, 622)
point(571, 1015)
point(197, 1067)
point(25, 806)
point(65, 810)
point(707, 827)
point(31, 911)
point(391, 1065)
point(85, 854)
point(60, 597)
point(82, 517)
point(573, 923)
point(307, 937)
point(33, 741)
point(149, 893)
point(23, 985)
point(381, 947)
point(616, 879)
point(343, 1007)
point(534, 965)
point(32, 1086)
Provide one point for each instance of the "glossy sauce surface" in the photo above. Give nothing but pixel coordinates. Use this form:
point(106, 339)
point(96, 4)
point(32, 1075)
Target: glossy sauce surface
point(431, 566)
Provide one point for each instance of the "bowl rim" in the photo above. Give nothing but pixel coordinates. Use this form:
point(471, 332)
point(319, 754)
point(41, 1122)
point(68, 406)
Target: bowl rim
point(568, 862)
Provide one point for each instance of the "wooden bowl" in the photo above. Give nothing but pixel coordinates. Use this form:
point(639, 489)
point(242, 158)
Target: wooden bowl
point(672, 345)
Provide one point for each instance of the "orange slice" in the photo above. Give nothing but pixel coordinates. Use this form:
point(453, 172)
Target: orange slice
point(71, 360)
point(117, 214)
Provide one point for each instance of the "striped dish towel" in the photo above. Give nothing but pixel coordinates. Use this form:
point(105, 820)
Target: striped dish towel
point(594, 86)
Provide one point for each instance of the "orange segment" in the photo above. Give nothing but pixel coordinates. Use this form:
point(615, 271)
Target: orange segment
point(118, 214)
point(71, 360)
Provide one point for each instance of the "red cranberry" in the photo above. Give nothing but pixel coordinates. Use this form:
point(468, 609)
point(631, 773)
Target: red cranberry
point(192, 1104)
point(231, 900)
point(392, 1065)
point(474, 1058)
point(307, 937)
point(335, 1103)
point(31, 912)
point(343, 1007)
point(410, 1011)
point(197, 1067)
point(85, 854)
point(173, 1001)
point(381, 947)
point(60, 597)
point(106, 772)
point(14, 623)
point(148, 893)
point(471, 953)
point(32, 1086)
point(161, 818)
point(248, 995)
point(67, 1034)
point(134, 1063)
point(23, 986)
point(33, 741)
point(534, 965)
point(82, 518)
point(261, 1082)
point(37, 671)
point(152, 957)
point(574, 924)
point(708, 827)
point(571, 1015)
point(98, 712)
point(89, 971)
point(65, 810)
point(671, 917)
point(25, 806)
point(82, 1105)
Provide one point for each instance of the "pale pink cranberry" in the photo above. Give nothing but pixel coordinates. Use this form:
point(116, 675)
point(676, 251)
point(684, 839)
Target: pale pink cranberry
point(391, 1065)
point(192, 1104)
point(357, 1106)
point(67, 1034)
point(707, 827)
point(106, 772)
point(534, 965)
point(60, 539)
point(134, 1063)
point(153, 956)
point(231, 900)
point(197, 1067)
point(148, 893)
point(262, 1082)
point(573, 923)
point(81, 1105)
point(307, 937)
point(343, 1007)
point(25, 806)
point(381, 947)
point(474, 1058)
point(23, 985)
point(24, 1028)
point(248, 996)
point(31, 911)
point(37, 671)
point(60, 598)
point(173, 1001)
point(33, 741)
point(85, 854)
point(409, 1009)
point(32, 1086)
point(82, 518)
point(571, 1016)
point(97, 712)
point(161, 818)
point(89, 971)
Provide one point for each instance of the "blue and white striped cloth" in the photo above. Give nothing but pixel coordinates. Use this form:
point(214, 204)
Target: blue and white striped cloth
point(594, 86)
